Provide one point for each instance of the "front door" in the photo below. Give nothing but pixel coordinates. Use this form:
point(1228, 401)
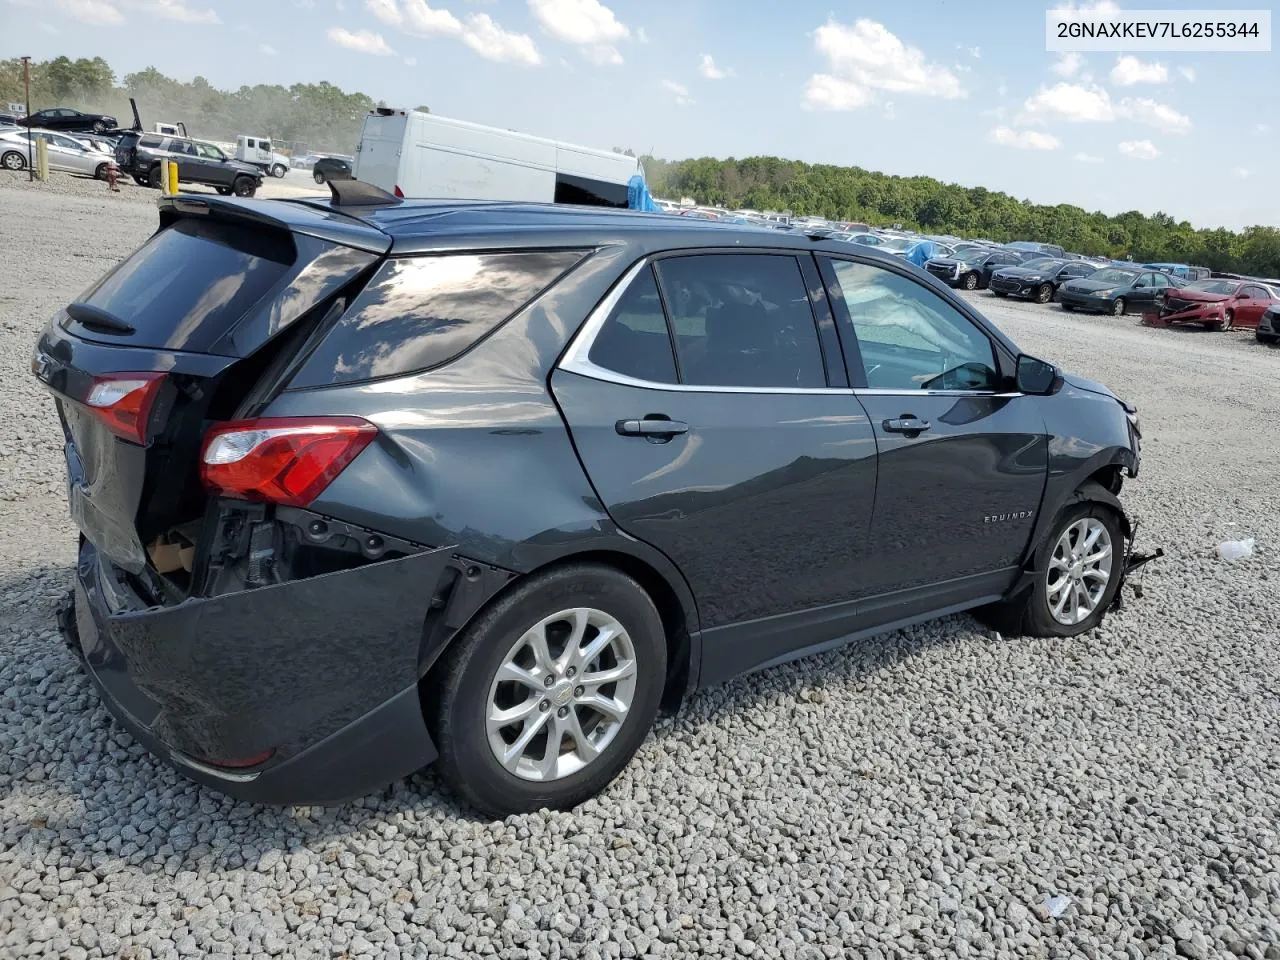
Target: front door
point(962, 463)
point(741, 454)
point(1254, 302)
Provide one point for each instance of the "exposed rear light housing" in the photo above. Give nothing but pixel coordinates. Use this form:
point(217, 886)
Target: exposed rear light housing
point(283, 460)
point(398, 192)
point(123, 401)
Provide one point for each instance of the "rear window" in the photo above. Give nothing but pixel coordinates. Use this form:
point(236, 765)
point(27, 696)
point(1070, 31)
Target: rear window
point(422, 312)
point(149, 142)
point(190, 283)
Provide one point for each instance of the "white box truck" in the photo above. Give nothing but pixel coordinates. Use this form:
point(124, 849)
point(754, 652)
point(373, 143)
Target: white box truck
point(259, 152)
point(425, 156)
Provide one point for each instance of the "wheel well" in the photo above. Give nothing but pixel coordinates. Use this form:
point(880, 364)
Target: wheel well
point(1110, 478)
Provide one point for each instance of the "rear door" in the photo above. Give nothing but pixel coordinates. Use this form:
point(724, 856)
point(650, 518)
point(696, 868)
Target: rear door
point(378, 154)
point(1252, 306)
point(741, 453)
point(963, 462)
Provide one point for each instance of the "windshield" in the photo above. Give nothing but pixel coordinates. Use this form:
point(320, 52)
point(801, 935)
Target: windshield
point(1113, 276)
point(975, 256)
point(1213, 286)
point(899, 244)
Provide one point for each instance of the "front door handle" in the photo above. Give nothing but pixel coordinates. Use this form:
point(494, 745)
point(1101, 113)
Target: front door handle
point(907, 423)
point(651, 427)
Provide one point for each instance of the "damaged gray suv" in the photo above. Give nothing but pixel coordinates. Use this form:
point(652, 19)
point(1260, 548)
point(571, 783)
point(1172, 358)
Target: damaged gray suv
point(369, 484)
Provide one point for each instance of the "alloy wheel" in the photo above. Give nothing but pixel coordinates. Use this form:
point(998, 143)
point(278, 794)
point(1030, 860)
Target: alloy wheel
point(1044, 293)
point(1117, 308)
point(1228, 319)
point(561, 694)
point(971, 281)
point(1079, 571)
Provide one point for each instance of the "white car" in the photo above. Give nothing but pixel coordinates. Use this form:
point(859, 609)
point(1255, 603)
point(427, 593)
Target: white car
point(65, 153)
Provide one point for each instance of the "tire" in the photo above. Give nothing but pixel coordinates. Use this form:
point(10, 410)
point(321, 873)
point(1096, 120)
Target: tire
point(101, 172)
point(223, 191)
point(13, 160)
point(1044, 293)
point(318, 177)
point(970, 281)
point(1117, 307)
point(1032, 612)
point(155, 177)
point(1228, 319)
point(141, 181)
point(279, 170)
point(244, 187)
point(464, 688)
point(99, 126)
point(999, 293)
point(1068, 307)
point(1267, 338)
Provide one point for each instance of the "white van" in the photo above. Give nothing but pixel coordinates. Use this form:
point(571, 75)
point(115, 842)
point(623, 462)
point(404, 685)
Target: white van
point(422, 155)
point(258, 151)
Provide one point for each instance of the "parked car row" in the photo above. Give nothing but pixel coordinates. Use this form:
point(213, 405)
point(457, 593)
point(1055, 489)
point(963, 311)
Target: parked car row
point(67, 154)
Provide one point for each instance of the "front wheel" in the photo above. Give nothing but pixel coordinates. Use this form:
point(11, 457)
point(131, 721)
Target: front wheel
point(99, 127)
point(279, 170)
point(1077, 573)
point(101, 172)
point(244, 187)
point(970, 281)
point(1044, 293)
point(318, 177)
point(1117, 307)
point(548, 694)
point(1267, 338)
point(1228, 319)
point(13, 160)
point(155, 177)
point(141, 181)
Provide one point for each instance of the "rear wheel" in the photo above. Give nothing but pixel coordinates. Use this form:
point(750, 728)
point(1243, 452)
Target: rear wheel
point(244, 187)
point(1077, 574)
point(279, 170)
point(13, 160)
point(155, 177)
point(1117, 307)
point(548, 694)
point(970, 281)
point(1044, 293)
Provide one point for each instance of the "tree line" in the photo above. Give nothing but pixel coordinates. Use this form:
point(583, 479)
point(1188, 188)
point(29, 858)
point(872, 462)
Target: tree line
point(321, 116)
point(930, 206)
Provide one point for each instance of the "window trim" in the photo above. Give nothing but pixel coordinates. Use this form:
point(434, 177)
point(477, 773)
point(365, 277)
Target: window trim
point(576, 357)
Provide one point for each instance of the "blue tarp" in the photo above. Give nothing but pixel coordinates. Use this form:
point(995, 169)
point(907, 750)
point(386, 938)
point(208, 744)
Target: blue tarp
point(638, 197)
point(921, 252)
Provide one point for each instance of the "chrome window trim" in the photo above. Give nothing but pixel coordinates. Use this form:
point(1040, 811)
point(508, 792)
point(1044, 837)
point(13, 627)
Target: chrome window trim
point(575, 360)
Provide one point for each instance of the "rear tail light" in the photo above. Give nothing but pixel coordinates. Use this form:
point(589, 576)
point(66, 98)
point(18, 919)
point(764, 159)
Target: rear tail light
point(399, 193)
point(123, 401)
point(284, 460)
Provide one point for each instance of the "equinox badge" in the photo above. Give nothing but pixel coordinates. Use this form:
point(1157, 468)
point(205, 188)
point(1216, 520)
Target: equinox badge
point(1006, 517)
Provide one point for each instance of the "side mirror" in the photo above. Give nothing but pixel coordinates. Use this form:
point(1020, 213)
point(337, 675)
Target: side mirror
point(1037, 377)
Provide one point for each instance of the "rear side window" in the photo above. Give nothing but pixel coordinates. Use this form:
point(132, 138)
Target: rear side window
point(634, 340)
point(422, 312)
point(191, 282)
point(149, 142)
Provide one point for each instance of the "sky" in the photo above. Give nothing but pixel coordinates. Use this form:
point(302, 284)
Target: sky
point(961, 91)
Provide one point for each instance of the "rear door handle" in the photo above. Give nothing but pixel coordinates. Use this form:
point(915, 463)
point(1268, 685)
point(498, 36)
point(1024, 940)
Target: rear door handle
point(651, 428)
point(906, 424)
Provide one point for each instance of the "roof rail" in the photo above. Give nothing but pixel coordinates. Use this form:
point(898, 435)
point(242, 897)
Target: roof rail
point(357, 193)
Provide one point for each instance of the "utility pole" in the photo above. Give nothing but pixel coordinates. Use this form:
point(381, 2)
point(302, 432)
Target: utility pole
point(26, 81)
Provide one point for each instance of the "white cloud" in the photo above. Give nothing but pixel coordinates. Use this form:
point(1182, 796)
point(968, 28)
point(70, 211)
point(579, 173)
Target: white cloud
point(1068, 64)
point(1139, 149)
point(679, 91)
point(975, 52)
point(1088, 158)
point(98, 13)
point(588, 24)
point(867, 57)
point(1159, 115)
point(1069, 101)
point(1188, 74)
point(361, 41)
point(267, 49)
point(487, 38)
point(825, 92)
point(1024, 139)
point(415, 17)
point(709, 69)
point(1241, 173)
point(1129, 71)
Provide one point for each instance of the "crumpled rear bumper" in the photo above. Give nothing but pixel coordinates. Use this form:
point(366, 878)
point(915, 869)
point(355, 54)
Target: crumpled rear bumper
point(320, 673)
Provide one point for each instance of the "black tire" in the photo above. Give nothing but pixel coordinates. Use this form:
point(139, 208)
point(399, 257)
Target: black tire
point(101, 172)
point(141, 181)
point(279, 170)
point(1028, 614)
point(456, 693)
point(1067, 307)
point(318, 177)
point(99, 126)
point(244, 187)
point(223, 191)
point(1267, 338)
point(1117, 307)
point(999, 293)
point(1044, 293)
point(13, 160)
point(970, 281)
point(155, 177)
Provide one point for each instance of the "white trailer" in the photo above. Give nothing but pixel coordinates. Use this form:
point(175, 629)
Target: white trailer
point(423, 155)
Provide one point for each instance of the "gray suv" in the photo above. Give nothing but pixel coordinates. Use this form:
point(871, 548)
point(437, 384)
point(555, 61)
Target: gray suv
point(140, 156)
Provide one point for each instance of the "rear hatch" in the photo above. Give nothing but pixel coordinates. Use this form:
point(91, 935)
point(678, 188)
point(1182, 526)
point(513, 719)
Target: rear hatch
point(180, 334)
point(126, 151)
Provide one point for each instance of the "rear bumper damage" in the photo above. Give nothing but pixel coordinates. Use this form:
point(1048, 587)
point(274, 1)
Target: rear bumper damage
point(299, 692)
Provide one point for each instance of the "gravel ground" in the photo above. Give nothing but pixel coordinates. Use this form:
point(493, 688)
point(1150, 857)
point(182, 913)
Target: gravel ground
point(925, 794)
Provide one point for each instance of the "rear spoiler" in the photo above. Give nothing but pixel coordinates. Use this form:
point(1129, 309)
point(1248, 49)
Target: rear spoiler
point(292, 216)
point(357, 193)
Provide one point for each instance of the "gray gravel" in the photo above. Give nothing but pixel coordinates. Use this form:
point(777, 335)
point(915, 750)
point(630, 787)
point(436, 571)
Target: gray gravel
point(926, 794)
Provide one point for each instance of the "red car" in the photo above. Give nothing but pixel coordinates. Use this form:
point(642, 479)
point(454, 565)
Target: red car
point(1217, 304)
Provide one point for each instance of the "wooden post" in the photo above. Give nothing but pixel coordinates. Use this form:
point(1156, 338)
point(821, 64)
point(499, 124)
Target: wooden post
point(42, 159)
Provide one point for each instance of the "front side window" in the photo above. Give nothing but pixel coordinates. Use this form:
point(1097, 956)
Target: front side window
point(909, 337)
point(421, 312)
point(742, 320)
